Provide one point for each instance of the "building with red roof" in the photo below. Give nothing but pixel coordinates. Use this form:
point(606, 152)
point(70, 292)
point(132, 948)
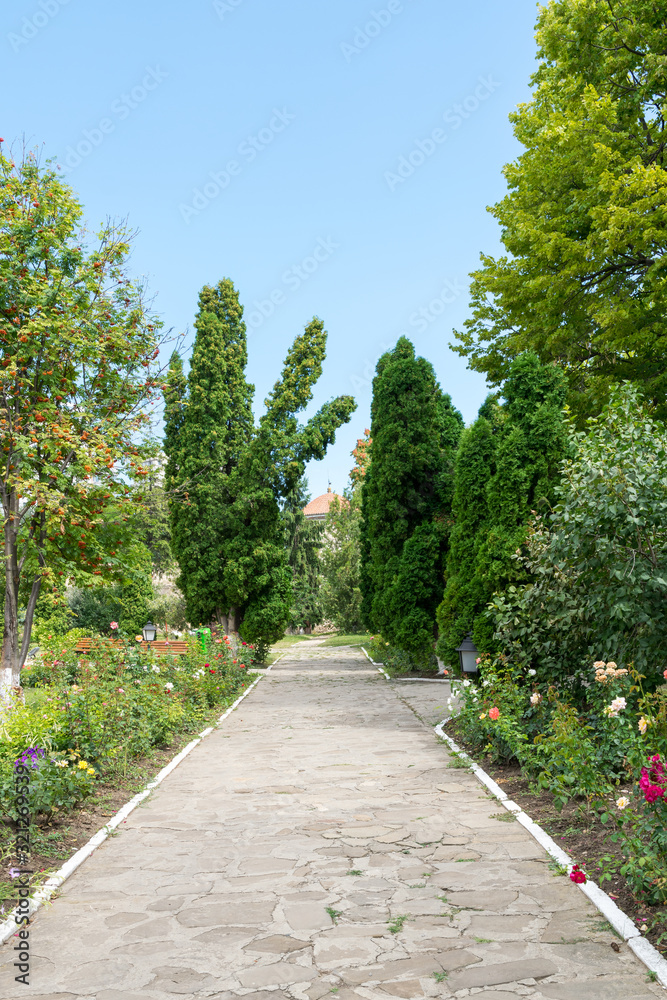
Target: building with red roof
point(318, 509)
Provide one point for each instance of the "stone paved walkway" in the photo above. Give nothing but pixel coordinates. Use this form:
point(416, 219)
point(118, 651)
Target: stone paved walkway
point(321, 844)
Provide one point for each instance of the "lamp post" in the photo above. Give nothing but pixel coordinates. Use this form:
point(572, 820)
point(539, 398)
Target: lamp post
point(149, 631)
point(468, 654)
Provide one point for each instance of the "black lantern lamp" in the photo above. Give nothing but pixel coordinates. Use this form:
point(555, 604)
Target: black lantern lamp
point(149, 632)
point(468, 654)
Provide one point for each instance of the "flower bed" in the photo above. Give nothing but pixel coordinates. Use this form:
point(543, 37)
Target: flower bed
point(595, 752)
point(86, 721)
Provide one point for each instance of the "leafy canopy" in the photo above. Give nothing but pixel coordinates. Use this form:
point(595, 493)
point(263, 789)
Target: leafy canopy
point(584, 222)
point(78, 347)
point(599, 561)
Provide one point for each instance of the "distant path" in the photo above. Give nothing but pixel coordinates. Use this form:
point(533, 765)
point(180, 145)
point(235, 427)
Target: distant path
point(323, 791)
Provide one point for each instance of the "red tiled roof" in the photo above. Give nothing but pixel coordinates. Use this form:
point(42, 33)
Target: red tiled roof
point(320, 505)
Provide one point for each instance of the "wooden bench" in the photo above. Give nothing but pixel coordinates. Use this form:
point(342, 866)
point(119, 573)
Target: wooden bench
point(160, 647)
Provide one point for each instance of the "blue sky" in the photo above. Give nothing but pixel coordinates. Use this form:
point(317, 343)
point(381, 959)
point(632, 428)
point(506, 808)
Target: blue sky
point(332, 157)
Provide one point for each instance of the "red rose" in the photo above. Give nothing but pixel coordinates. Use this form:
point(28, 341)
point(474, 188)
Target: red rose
point(577, 875)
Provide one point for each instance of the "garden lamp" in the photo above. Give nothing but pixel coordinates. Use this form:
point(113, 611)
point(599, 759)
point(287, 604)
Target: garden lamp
point(468, 654)
point(149, 632)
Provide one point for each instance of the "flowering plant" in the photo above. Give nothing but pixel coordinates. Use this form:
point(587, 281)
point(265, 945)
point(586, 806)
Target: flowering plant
point(577, 875)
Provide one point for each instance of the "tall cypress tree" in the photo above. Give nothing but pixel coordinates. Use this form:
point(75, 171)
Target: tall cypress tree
point(205, 434)
point(227, 533)
point(508, 464)
point(406, 498)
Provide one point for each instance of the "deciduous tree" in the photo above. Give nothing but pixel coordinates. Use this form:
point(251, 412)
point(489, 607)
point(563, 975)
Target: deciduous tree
point(583, 281)
point(78, 348)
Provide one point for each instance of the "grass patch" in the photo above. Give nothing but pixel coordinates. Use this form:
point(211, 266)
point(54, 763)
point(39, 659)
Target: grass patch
point(396, 924)
point(346, 640)
point(334, 914)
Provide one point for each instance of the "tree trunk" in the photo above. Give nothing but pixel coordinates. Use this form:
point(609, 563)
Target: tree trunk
point(229, 622)
point(14, 651)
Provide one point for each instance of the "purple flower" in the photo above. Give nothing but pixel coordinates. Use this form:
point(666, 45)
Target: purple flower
point(32, 757)
point(14, 873)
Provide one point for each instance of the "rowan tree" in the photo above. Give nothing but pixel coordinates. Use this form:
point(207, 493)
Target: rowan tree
point(77, 370)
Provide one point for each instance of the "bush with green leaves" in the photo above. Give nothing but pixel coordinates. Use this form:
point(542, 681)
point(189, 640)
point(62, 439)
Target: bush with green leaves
point(94, 608)
point(598, 561)
point(56, 782)
point(340, 557)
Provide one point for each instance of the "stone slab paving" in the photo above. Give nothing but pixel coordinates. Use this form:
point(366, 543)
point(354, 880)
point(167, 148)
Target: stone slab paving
point(320, 844)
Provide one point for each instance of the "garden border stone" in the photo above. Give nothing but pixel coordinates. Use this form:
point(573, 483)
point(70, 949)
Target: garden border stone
point(9, 926)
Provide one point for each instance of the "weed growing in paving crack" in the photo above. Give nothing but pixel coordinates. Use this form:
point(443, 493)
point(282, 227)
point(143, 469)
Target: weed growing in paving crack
point(484, 940)
point(557, 868)
point(459, 860)
point(354, 871)
point(440, 976)
point(396, 924)
point(418, 885)
point(334, 914)
point(504, 817)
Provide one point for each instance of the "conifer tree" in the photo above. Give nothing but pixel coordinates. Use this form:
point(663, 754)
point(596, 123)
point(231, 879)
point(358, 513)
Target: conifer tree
point(507, 464)
point(227, 533)
point(205, 435)
point(415, 431)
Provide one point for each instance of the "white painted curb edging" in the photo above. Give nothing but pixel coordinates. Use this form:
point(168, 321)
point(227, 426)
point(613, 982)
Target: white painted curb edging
point(9, 926)
point(414, 680)
point(621, 923)
point(381, 669)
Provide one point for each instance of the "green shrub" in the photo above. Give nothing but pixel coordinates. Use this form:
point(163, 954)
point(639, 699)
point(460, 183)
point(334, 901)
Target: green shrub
point(599, 560)
point(56, 782)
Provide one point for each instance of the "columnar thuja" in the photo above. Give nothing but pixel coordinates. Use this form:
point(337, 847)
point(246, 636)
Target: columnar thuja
point(78, 350)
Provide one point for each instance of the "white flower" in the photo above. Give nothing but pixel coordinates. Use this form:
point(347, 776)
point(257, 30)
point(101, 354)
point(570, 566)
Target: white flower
point(155, 669)
point(617, 705)
point(623, 802)
point(168, 686)
point(642, 725)
point(535, 698)
point(485, 684)
point(531, 672)
point(466, 683)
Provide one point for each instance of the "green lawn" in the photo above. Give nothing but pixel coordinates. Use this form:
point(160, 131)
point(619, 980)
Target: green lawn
point(283, 644)
point(332, 640)
point(347, 640)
